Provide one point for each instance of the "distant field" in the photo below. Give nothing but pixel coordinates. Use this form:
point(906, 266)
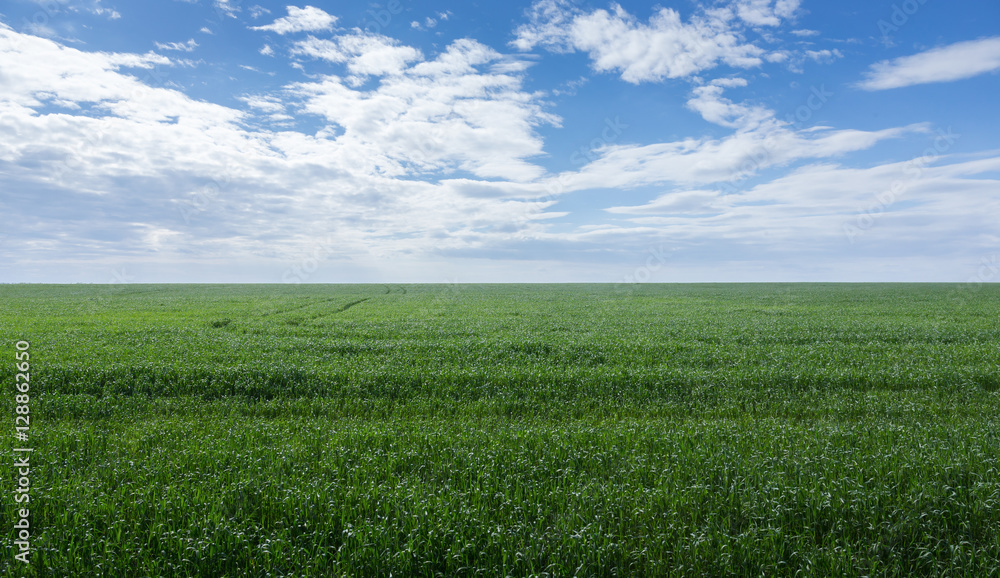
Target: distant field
point(491, 430)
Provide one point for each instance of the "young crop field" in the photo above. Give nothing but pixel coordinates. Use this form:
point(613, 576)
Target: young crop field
point(506, 430)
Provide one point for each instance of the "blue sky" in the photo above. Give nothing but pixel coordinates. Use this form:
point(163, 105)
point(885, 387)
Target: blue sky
point(546, 141)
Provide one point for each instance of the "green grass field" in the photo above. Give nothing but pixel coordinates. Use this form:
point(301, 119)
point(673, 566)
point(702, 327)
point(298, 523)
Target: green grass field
point(491, 430)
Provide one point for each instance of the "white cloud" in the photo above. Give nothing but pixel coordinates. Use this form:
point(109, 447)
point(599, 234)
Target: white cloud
point(258, 11)
point(893, 208)
point(757, 146)
point(111, 13)
point(444, 114)
point(93, 7)
point(227, 8)
point(730, 82)
point(267, 50)
point(944, 64)
point(130, 60)
point(269, 108)
point(188, 46)
point(308, 19)
point(364, 54)
point(214, 187)
point(766, 12)
point(264, 103)
point(206, 30)
point(680, 202)
point(39, 71)
point(665, 47)
point(428, 22)
point(712, 106)
point(434, 155)
point(824, 56)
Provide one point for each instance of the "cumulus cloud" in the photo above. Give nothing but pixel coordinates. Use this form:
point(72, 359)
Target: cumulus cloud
point(425, 155)
point(364, 54)
point(945, 64)
point(212, 184)
point(448, 113)
point(712, 106)
point(766, 12)
point(664, 47)
point(37, 70)
point(308, 19)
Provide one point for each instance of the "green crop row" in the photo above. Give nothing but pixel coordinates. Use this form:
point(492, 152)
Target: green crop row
point(508, 430)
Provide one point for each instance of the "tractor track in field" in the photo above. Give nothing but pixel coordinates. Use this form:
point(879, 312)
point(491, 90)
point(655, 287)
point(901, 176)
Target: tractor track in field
point(340, 309)
point(312, 318)
point(298, 307)
point(351, 304)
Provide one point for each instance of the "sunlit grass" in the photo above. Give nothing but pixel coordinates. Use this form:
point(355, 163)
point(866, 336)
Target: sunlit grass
point(511, 430)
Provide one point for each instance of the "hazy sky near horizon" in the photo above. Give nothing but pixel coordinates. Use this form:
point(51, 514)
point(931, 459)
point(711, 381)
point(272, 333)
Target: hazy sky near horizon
point(548, 141)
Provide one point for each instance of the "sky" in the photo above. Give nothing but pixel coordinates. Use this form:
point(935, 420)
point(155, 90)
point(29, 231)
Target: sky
point(537, 141)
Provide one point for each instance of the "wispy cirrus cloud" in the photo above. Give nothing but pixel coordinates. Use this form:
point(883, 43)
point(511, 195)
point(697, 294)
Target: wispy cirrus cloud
point(815, 204)
point(944, 64)
point(704, 161)
point(188, 46)
point(227, 8)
